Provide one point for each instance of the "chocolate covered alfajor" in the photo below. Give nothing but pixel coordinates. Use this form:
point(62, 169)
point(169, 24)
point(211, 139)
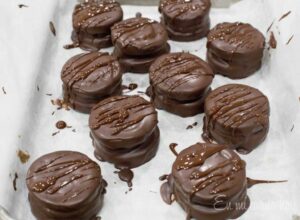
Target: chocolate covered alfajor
point(235, 49)
point(89, 78)
point(138, 42)
point(236, 115)
point(179, 83)
point(209, 182)
point(92, 21)
point(185, 20)
point(65, 185)
point(124, 131)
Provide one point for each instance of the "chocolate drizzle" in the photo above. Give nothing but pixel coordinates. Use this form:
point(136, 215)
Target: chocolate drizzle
point(117, 115)
point(252, 182)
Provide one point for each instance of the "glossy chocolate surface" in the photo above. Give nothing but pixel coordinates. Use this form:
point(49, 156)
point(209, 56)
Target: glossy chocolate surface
point(124, 131)
point(236, 115)
point(179, 83)
point(209, 182)
point(235, 49)
point(65, 185)
point(90, 77)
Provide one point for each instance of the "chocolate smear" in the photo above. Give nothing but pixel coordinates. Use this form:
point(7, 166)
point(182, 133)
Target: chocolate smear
point(3, 90)
point(23, 156)
point(15, 181)
point(189, 127)
point(289, 41)
point(272, 41)
point(285, 15)
point(292, 128)
point(38, 88)
point(269, 28)
point(61, 125)
point(251, 182)
point(52, 28)
point(49, 94)
point(172, 147)
point(55, 133)
point(22, 6)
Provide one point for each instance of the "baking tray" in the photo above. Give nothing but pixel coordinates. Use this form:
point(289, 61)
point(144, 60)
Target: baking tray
point(31, 60)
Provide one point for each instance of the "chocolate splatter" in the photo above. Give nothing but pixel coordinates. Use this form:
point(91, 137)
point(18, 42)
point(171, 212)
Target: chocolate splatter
point(292, 128)
point(269, 28)
point(189, 127)
point(289, 41)
point(55, 133)
point(49, 94)
point(172, 147)
point(71, 46)
point(22, 6)
point(3, 90)
point(285, 15)
point(126, 175)
point(251, 182)
point(23, 156)
point(52, 28)
point(15, 181)
point(61, 125)
point(272, 41)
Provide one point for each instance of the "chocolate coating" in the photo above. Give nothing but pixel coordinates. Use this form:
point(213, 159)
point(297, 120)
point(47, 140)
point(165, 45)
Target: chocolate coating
point(186, 20)
point(138, 41)
point(237, 115)
point(124, 131)
point(65, 185)
point(179, 83)
point(209, 182)
point(90, 77)
point(92, 21)
point(235, 50)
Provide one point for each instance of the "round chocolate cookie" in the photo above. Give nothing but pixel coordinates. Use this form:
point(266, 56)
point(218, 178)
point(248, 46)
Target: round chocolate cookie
point(180, 83)
point(209, 182)
point(138, 42)
point(185, 20)
point(65, 185)
point(235, 50)
point(237, 115)
point(92, 21)
point(89, 78)
point(124, 131)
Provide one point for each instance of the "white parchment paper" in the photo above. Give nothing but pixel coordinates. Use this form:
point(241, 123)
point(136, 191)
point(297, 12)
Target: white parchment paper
point(31, 57)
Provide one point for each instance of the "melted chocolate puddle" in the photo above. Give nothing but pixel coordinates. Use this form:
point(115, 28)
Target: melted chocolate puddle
point(126, 175)
point(251, 182)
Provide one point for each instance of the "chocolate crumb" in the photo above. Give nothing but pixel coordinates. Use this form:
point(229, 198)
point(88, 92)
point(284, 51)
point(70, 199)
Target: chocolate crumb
point(132, 86)
point(22, 6)
point(61, 125)
point(138, 15)
point(52, 28)
point(272, 41)
point(189, 127)
point(49, 94)
point(53, 113)
point(289, 41)
point(195, 124)
point(60, 103)
point(292, 128)
point(71, 46)
point(285, 15)
point(55, 133)
point(23, 156)
point(269, 28)
point(3, 90)
point(15, 181)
